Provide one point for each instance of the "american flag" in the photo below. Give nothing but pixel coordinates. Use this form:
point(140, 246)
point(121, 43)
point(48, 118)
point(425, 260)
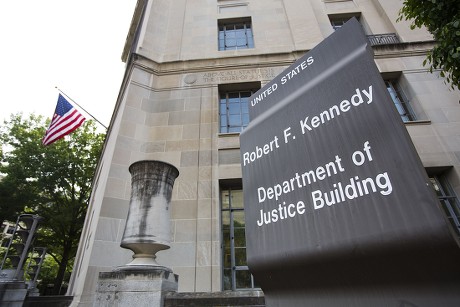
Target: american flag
point(65, 120)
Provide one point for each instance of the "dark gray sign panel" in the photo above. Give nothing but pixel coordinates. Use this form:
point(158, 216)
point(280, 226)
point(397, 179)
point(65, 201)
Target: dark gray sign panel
point(334, 190)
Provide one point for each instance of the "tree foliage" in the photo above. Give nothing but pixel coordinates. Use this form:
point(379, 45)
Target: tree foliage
point(52, 181)
point(442, 19)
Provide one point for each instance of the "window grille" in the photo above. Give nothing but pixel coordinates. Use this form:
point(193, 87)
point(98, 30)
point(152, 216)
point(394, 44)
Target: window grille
point(236, 275)
point(234, 112)
point(235, 35)
point(400, 101)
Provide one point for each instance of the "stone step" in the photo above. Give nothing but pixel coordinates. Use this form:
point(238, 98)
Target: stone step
point(216, 299)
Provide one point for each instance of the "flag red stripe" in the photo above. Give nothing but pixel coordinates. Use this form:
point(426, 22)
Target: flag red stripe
point(64, 134)
point(59, 131)
point(63, 126)
point(62, 121)
point(64, 130)
point(57, 120)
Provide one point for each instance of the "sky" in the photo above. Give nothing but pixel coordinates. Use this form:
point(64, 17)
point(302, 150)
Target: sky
point(74, 45)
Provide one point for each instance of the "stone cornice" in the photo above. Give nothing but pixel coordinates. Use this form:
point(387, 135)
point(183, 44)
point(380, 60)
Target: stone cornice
point(203, 65)
point(403, 49)
point(267, 60)
point(133, 29)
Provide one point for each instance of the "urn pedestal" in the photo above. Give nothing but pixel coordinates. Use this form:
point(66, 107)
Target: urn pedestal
point(143, 282)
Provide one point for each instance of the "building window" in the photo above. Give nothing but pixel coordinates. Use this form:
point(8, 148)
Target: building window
point(234, 116)
point(400, 100)
point(233, 105)
point(448, 199)
point(338, 21)
point(236, 275)
point(235, 34)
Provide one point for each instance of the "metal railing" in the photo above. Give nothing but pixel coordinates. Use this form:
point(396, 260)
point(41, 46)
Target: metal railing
point(383, 39)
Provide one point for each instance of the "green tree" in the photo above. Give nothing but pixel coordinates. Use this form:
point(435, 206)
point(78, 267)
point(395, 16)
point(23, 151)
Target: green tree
point(52, 181)
point(442, 19)
point(47, 273)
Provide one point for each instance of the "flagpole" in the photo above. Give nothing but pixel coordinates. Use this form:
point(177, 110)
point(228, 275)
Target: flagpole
point(81, 107)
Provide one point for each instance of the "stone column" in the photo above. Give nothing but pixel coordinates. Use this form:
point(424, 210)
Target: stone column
point(143, 281)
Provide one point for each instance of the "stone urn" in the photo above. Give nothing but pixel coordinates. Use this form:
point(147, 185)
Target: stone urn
point(147, 229)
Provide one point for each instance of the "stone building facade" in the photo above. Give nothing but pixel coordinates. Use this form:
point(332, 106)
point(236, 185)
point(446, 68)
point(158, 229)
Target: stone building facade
point(190, 67)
